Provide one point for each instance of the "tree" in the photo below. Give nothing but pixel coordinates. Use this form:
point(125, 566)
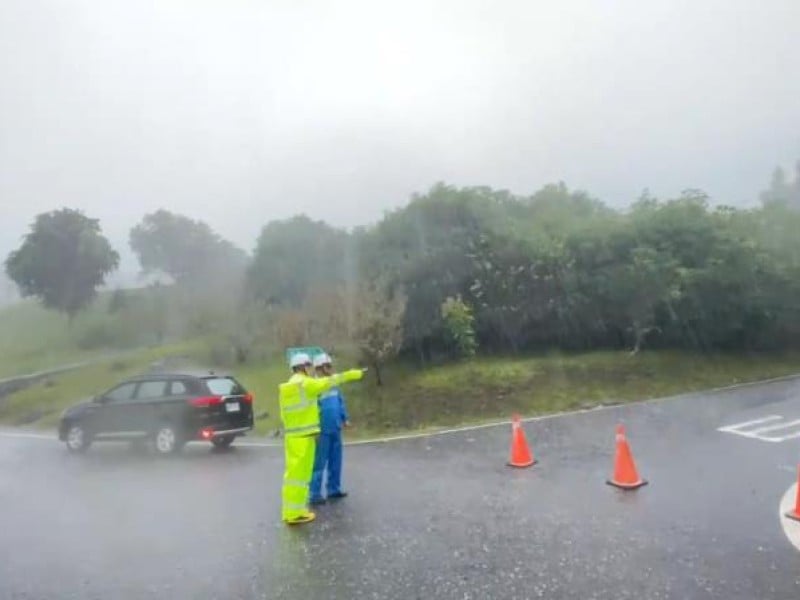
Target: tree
point(8, 290)
point(647, 283)
point(379, 325)
point(458, 319)
point(326, 309)
point(783, 192)
point(119, 301)
point(291, 328)
point(554, 211)
point(293, 255)
point(424, 249)
point(158, 310)
point(62, 261)
point(556, 269)
point(188, 251)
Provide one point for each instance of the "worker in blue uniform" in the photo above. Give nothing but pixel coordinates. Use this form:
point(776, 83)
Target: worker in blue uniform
point(328, 457)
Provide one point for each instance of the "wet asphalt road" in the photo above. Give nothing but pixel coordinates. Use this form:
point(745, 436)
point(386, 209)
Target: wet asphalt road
point(436, 517)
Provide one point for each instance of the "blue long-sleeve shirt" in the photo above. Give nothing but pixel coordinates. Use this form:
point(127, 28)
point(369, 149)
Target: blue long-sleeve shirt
point(332, 411)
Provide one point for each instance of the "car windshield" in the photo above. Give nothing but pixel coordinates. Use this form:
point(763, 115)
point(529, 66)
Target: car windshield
point(224, 386)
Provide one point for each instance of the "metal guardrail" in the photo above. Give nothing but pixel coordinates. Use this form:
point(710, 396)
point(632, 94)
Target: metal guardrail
point(9, 385)
point(20, 382)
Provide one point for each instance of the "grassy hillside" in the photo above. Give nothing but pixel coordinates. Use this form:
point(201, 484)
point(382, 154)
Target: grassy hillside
point(34, 339)
point(42, 403)
point(479, 390)
point(411, 399)
point(494, 388)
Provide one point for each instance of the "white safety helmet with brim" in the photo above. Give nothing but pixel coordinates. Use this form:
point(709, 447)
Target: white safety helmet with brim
point(300, 359)
point(320, 360)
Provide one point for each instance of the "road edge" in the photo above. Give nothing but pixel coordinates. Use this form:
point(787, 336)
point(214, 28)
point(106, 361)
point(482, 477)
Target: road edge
point(262, 442)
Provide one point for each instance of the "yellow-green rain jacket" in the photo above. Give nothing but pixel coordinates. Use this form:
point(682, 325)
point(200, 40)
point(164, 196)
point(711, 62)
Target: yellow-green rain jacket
point(298, 400)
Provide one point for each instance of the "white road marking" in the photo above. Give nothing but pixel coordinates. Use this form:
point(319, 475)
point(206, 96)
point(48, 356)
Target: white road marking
point(28, 435)
point(733, 428)
point(258, 444)
point(761, 430)
point(790, 527)
point(747, 430)
point(435, 432)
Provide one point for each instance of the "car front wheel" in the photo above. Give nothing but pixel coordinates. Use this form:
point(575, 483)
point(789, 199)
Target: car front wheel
point(167, 440)
point(78, 439)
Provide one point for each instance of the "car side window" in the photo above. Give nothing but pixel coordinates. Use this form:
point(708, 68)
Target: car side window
point(151, 389)
point(121, 393)
point(177, 388)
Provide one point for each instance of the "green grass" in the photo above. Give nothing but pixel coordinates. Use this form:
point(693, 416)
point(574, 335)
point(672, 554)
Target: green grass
point(487, 389)
point(42, 403)
point(490, 389)
point(479, 390)
point(32, 339)
point(263, 380)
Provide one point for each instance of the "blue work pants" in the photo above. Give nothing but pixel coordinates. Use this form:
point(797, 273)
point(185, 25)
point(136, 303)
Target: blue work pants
point(328, 457)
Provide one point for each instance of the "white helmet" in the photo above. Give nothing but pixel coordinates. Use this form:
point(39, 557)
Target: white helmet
point(322, 359)
point(299, 359)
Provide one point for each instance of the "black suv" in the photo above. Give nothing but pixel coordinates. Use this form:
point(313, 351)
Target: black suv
point(168, 408)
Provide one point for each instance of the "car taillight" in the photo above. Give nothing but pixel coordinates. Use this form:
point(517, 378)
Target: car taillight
point(206, 401)
point(248, 397)
point(207, 433)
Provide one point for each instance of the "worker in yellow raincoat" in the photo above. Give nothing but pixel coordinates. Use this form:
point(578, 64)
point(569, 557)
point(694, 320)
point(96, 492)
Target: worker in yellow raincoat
point(300, 417)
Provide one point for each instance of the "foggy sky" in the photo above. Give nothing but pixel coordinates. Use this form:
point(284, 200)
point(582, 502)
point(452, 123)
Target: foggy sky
point(238, 112)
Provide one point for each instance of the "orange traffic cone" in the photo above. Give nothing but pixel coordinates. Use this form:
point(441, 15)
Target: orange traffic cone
point(625, 475)
point(795, 514)
point(521, 455)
